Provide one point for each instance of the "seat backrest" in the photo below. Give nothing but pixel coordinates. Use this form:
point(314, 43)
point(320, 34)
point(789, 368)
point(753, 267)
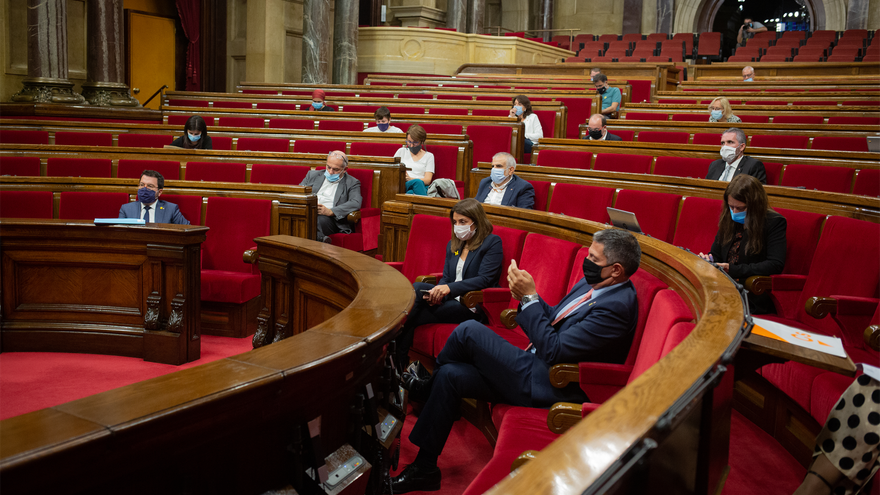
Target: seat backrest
point(489, 112)
point(20, 165)
point(26, 204)
point(277, 106)
point(128, 140)
point(819, 177)
point(292, 175)
point(676, 335)
point(664, 137)
point(667, 309)
point(656, 212)
point(799, 119)
point(697, 223)
point(547, 118)
point(340, 125)
point(426, 246)
point(774, 173)
point(190, 206)
point(512, 241)
point(132, 169)
point(840, 143)
point(24, 137)
point(567, 159)
point(676, 166)
point(63, 138)
point(867, 183)
point(234, 224)
point(221, 143)
point(301, 124)
point(688, 117)
point(613, 162)
point(488, 140)
point(445, 161)
point(254, 122)
point(365, 176)
point(439, 128)
point(176, 120)
point(265, 144)
point(779, 141)
point(854, 120)
point(176, 102)
point(707, 138)
point(550, 281)
point(77, 205)
point(623, 134)
point(581, 201)
point(216, 171)
point(448, 111)
point(646, 116)
point(801, 236)
point(579, 110)
point(542, 193)
point(375, 149)
point(78, 167)
point(754, 119)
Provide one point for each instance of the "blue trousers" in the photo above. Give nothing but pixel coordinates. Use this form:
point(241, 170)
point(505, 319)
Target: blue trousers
point(417, 187)
point(527, 148)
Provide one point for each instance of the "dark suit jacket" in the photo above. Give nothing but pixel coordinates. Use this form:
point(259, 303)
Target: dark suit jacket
point(608, 137)
point(204, 143)
point(165, 212)
point(747, 165)
point(481, 268)
point(599, 331)
point(347, 198)
point(519, 193)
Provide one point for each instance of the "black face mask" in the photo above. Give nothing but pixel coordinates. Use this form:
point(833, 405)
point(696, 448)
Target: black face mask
point(415, 149)
point(601, 90)
point(593, 272)
point(596, 133)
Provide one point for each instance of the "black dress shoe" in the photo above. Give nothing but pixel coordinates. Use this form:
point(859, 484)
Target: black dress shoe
point(414, 478)
point(417, 381)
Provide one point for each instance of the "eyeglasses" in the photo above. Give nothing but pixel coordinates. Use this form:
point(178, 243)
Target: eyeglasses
point(148, 186)
point(411, 143)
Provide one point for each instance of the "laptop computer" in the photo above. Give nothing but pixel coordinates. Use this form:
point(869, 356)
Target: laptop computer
point(874, 144)
point(624, 219)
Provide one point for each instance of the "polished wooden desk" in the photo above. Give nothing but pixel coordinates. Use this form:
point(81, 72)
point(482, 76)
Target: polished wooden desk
point(73, 286)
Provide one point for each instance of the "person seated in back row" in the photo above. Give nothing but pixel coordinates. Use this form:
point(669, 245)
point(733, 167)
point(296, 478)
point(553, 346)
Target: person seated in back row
point(195, 135)
point(733, 162)
point(148, 205)
point(522, 111)
point(611, 97)
point(318, 103)
point(383, 122)
point(720, 111)
point(597, 131)
point(338, 195)
point(503, 188)
point(419, 162)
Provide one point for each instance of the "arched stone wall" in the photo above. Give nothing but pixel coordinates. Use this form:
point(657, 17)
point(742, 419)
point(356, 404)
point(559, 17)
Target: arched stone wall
point(694, 16)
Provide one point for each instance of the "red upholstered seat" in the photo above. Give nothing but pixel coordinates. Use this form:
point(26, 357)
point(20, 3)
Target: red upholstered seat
point(26, 204)
point(259, 91)
point(689, 117)
point(802, 235)
point(448, 111)
point(612, 162)
point(132, 169)
point(867, 183)
point(408, 110)
point(425, 247)
point(360, 108)
point(581, 201)
point(263, 144)
point(491, 98)
point(233, 104)
point(24, 137)
point(190, 206)
point(646, 116)
point(697, 223)
point(90, 205)
point(854, 120)
point(579, 110)
point(767, 102)
point(567, 159)
point(418, 96)
point(623, 134)
point(542, 193)
point(754, 119)
point(366, 232)
point(20, 165)
point(676, 166)
point(234, 224)
point(455, 97)
point(216, 171)
point(63, 138)
point(488, 112)
point(127, 140)
point(547, 118)
point(862, 103)
point(181, 120)
point(774, 173)
point(779, 141)
point(313, 146)
point(340, 125)
point(840, 143)
point(819, 177)
point(799, 119)
point(221, 143)
point(276, 106)
point(707, 139)
point(488, 140)
point(376, 149)
point(676, 101)
point(664, 137)
point(439, 129)
point(656, 212)
point(445, 165)
point(296, 93)
point(78, 167)
point(176, 102)
point(264, 173)
point(241, 122)
point(303, 124)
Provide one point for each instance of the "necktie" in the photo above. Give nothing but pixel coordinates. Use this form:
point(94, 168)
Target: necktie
point(728, 173)
point(573, 307)
point(147, 214)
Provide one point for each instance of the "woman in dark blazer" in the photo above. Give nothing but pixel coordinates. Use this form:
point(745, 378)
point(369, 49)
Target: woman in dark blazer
point(473, 262)
point(737, 250)
point(195, 135)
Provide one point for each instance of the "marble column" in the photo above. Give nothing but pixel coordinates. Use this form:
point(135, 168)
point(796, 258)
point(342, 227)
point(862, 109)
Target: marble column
point(345, 40)
point(106, 56)
point(47, 55)
point(546, 19)
point(857, 14)
point(316, 42)
point(456, 15)
point(665, 11)
point(477, 16)
point(632, 16)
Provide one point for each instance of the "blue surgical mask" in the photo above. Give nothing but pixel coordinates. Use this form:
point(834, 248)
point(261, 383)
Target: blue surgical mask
point(717, 114)
point(146, 195)
point(383, 127)
point(738, 217)
point(317, 105)
point(497, 175)
point(518, 109)
point(193, 138)
point(331, 177)
point(748, 80)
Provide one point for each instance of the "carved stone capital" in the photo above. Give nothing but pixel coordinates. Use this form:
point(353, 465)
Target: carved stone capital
point(108, 94)
point(48, 90)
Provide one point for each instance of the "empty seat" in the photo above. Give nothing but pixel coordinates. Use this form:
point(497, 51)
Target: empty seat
point(303, 124)
point(645, 116)
point(709, 46)
point(446, 165)
point(63, 138)
point(864, 103)
point(854, 120)
point(688, 40)
point(241, 122)
point(799, 119)
point(375, 149)
point(78, 167)
point(656, 212)
point(814, 103)
point(767, 102)
point(689, 117)
point(127, 140)
point(754, 119)
point(20, 165)
point(488, 140)
point(221, 143)
point(24, 137)
point(488, 112)
point(132, 169)
point(542, 193)
point(581, 201)
point(697, 223)
point(417, 96)
point(233, 104)
point(175, 102)
point(277, 106)
point(634, 164)
point(566, 159)
point(360, 108)
point(802, 236)
point(664, 137)
point(425, 247)
point(340, 125)
point(867, 183)
point(676, 101)
point(216, 171)
point(840, 143)
point(439, 129)
point(819, 177)
point(181, 120)
point(26, 204)
point(190, 206)
point(263, 144)
point(312, 146)
point(775, 58)
point(448, 111)
point(707, 139)
point(292, 175)
point(779, 141)
point(623, 134)
point(677, 166)
point(75, 205)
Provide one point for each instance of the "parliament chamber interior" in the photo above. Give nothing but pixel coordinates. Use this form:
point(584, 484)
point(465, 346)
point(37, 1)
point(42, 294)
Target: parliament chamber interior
point(316, 343)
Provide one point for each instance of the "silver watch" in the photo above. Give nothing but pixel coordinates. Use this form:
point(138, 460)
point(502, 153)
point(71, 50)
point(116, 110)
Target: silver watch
point(529, 298)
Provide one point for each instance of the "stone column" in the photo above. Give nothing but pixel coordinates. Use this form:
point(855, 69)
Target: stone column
point(477, 16)
point(546, 18)
point(345, 40)
point(316, 42)
point(665, 11)
point(456, 15)
point(47, 55)
point(857, 14)
point(106, 56)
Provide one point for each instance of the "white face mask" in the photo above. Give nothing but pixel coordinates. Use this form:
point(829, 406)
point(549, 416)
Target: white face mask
point(728, 153)
point(464, 232)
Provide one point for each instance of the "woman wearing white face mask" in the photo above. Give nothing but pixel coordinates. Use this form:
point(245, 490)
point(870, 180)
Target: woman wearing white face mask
point(720, 111)
point(195, 135)
point(522, 110)
point(473, 262)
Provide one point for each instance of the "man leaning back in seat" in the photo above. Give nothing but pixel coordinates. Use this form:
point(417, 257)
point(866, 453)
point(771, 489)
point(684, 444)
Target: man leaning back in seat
point(148, 205)
point(594, 322)
point(338, 195)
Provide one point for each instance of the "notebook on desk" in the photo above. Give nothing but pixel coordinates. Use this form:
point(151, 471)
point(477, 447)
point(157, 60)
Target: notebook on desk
point(624, 219)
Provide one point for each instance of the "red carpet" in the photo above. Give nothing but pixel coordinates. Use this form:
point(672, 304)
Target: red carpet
point(35, 380)
point(757, 463)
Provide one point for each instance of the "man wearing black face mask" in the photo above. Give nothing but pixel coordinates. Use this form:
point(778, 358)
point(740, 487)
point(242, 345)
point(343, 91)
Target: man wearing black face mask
point(594, 322)
point(611, 97)
point(148, 206)
point(596, 130)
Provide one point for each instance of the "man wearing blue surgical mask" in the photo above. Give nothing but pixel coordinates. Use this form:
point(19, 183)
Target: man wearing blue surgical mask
point(748, 74)
point(503, 188)
point(733, 162)
point(339, 194)
point(148, 205)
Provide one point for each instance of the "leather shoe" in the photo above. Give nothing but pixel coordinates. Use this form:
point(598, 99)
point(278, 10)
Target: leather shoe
point(414, 478)
point(417, 381)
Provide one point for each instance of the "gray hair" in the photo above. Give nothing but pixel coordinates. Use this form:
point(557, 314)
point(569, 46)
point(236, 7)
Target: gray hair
point(749, 67)
point(620, 246)
point(510, 160)
point(740, 135)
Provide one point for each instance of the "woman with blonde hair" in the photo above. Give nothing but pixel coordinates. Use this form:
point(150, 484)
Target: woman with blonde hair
point(720, 111)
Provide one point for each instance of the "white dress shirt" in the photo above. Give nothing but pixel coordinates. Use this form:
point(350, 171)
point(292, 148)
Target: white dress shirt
point(727, 175)
point(153, 207)
point(497, 193)
point(327, 193)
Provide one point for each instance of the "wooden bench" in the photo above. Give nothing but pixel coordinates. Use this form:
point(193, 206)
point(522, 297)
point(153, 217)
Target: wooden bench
point(822, 70)
point(692, 128)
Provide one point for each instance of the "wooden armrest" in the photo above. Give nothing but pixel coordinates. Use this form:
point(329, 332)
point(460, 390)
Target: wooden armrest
point(820, 307)
point(508, 318)
point(428, 279)
point(563, 415)
point(872, 337)
point(250, 256)
point(758, 284)
point(472, 298)
point(564, 373)
point(354, 217)
point(522, 459)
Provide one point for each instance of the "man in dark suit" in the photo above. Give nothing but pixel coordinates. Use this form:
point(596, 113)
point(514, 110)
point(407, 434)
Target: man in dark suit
point(596, 130)
point(594, 322)
point(733, 162)
point(148, 206)
point(502, 188)
point(338, 195)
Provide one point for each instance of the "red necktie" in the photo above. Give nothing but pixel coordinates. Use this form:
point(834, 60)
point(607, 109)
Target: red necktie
point(572, 308)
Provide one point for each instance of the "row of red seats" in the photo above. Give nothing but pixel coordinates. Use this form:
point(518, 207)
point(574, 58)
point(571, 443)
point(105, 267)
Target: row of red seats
point(824, 103)
point(843, 51)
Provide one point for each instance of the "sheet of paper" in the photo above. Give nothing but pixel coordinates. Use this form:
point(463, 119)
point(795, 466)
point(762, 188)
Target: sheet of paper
point(119, 221)
point(871, 371)
point(796, 336)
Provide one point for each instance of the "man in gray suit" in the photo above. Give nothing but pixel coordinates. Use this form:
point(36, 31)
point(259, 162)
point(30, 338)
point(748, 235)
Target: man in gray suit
point(148, 206)
point(338, 195)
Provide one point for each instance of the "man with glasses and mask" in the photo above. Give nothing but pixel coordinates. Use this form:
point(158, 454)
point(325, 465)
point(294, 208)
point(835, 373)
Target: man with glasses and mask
point(338, 195)
point(594, 322)
point(611, 97)
point(733, 162)
point(596, 130)
point(148, 205)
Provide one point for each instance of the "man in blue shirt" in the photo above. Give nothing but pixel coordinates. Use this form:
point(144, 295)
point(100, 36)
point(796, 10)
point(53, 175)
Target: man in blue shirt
point(610, 96)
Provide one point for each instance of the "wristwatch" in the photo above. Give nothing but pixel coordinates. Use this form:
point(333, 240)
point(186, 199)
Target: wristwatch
point(529, 298)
